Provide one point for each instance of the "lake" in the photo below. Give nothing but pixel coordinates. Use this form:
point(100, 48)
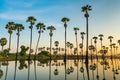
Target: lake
point(100, 69)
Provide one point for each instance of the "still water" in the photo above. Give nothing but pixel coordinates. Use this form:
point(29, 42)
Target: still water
point(57, 70)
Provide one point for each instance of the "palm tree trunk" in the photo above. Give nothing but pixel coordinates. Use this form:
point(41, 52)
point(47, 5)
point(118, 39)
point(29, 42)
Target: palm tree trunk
point(9, 43)
point(77, 45)
point(50, 46)
point(17, 45)
point(82, 48)
point(65, 46)
point(86, 60)
point(37, 45)
point(30, 44)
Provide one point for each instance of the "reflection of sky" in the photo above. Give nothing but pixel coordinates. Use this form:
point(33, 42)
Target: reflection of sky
point(104, 18)
point(43, 72)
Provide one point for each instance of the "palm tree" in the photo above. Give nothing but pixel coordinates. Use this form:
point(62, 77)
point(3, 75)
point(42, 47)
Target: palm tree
point(68, 45)
point(113, 44)
point(3, 42)
point(95, 41)
point(110, 37)
point(11, 27)
point(56, 44)
point(51, 28)
point(119, 42)
point(76, 29)
point(101, 38)
point(65, 20)
point(82, 37)
point(32, 20)
point(86, 9)
point(18, 27)
point(71, 47)
point(40, 27)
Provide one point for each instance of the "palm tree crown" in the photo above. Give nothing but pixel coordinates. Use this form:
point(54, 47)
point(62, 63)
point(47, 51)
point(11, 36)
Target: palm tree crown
point(51, 28)
point(10, 26)
point(32, 20)
point(86, 9)
point(3, 42)
point(95, 39)
point(82, 35)
point(41, 27)
point(19, 27)
point(101, 35)
point(65, 20)
point(76, 29)
point(56, 43)
point(110, 37)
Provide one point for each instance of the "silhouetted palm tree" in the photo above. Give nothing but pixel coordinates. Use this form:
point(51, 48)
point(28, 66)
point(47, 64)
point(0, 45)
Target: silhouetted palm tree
point(3, 42)
point(76, 29)
point(101, 38)
point(11, 27)
point(119, 42)
point(32, 20)
point(65, 20)
point(71, 47)
point(110, 37)
point(18, 27)
point(68, 45)
point(56, 45)
point(86, 9)
point(113, 44)
point(82, 37)
point(40, 27)
point(95, 41)
point(51, 28)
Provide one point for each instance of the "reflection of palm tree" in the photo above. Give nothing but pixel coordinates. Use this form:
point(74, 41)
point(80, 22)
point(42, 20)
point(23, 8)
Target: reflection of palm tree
point(6, 70)
point(41, 28)
point(50, 70)
point(32, 20)
point(10, 26)
point(86, 9)
point(18, 27)
point(65, 20)
point(76, 29)
point(51, 28)
point(110, 37)
point(15, 70)
point(35, 70)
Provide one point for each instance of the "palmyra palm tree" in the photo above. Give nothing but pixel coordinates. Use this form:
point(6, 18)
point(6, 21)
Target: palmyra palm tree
point(113, 44)
point(110, 37)
point(86, 9)
point(81, 45)
point(51, 28)
point(65, 20)
point(11, 27)
point(40, 27)
point(32, 20)
point(76, 29)
point(68, 46)
point(71, 47)
point(18, 27)
point(101, 38)
point(119, 42)
point(95, 41)
point(3, 42)
point(56, 44)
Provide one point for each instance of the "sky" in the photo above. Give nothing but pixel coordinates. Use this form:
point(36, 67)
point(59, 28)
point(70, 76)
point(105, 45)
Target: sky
point(104, 19)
